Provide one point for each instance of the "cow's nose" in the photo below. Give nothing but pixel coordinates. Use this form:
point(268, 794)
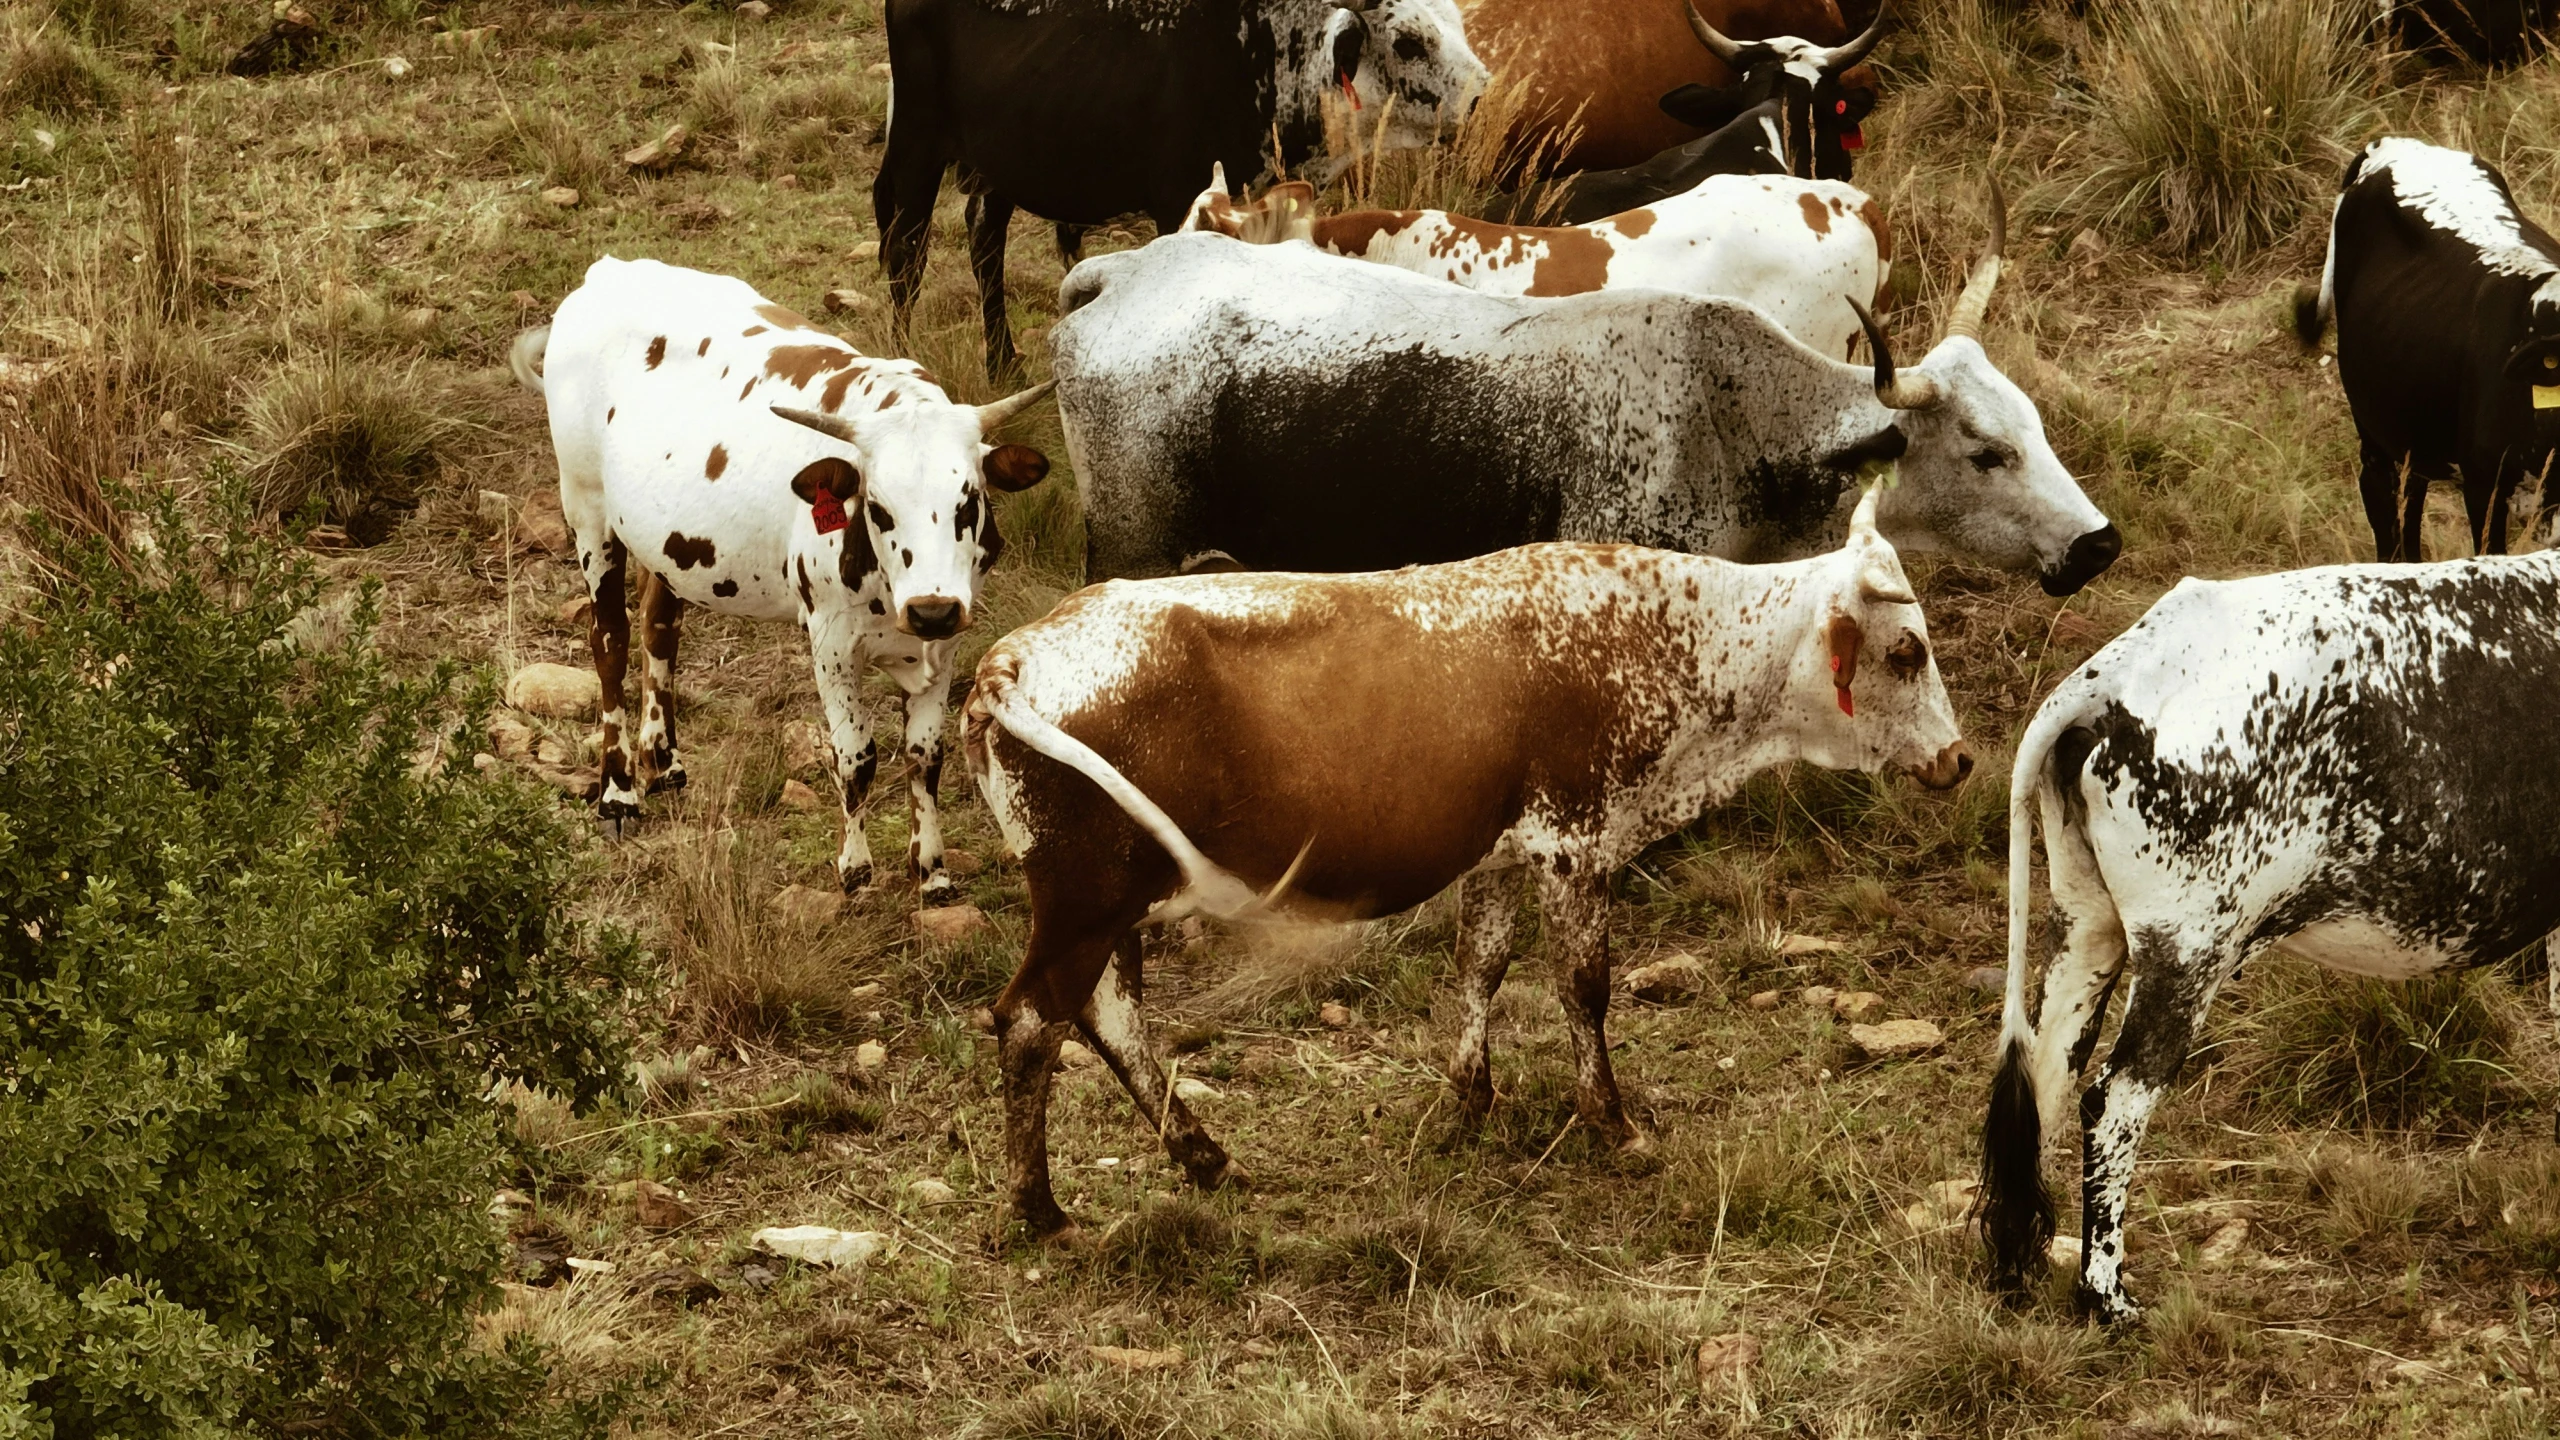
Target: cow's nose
point(1948, 770)
point(2086, 560)
point(935, 617)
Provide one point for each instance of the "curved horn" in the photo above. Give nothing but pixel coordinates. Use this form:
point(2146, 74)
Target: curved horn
point(1841, 57)
point(832, 426)
point(1717, 45)
point(993, 414)
point(1218, 177)
point(1975, 302)
point(1893, 392)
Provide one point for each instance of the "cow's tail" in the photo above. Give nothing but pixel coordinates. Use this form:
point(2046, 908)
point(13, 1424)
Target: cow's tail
point(2313, 309)
point(2014, 1204)
point(1208, 886)
point(525, 357)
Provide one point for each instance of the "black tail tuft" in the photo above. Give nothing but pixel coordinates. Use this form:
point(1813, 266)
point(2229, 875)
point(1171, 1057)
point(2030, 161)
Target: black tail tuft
point(2308, 323)
point(2016, 1208)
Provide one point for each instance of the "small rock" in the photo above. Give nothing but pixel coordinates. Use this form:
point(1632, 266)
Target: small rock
point(580, 1265)
point(1895, 1039)
point(1942, 1206)
point(681, 1284)
point(1725, 1362)
point(786, 182)
point(868, 250)
point(718, 52)
point(512, 738)
point(542, 1258)
point(420, 320)
point(1075, 1055)
point(1335, 1015)
point(806, 904)
point(1677, 978)
point(2062, 1252)
point(540, 525)
point(755, 10)
point(870, 1057)
point(754, 1279)
point(962, 863)
point(1817, 997)
point(484, 762)
point(2224, 1247)
point(495, 508)
point(1792, 946)
point(805, 747)
point(1766, 1000)
point(867, 990)
point(574, 612)
point(1122, 1358)
point(2087, 248)
point(983, 1020)
point(328, 537)
point(797, 796)
point(524, 299)
point(561, 197)
point(397, 67)
point(562, 692)
point(1989, 979)
point(820, 1245)
point(880, 69)
point(848, 302)
point(1192, 1091)
point(661, 153)
point(1857, 1004)
point(660, 1208)
point(931, 1192)
point(950, 924)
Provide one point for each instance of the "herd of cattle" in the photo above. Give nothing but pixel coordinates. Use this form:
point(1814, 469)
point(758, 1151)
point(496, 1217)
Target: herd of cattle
point(1437, 550)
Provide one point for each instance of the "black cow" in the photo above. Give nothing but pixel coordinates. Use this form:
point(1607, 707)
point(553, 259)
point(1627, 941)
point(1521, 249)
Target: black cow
point(1822, 112)
point(1081, 111)
point(1750, 144)
point(2490, 32)
point(2447, 302)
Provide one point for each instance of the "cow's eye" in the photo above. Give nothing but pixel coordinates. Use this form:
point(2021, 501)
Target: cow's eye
point(881, 519)
point(1987, 458)
point(1908, 657)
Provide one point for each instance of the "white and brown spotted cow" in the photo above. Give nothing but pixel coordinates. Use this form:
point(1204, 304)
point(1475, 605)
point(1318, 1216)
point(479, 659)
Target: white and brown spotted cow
point(1361, 742)
point(1792, 247)
point(668, 390)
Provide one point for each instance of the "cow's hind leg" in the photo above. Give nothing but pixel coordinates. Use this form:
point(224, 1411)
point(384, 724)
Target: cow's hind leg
point(2391, 489)
point(990, 221)
point(661, 612)
point(930, 679)
point(1060, 967)
point(604, 561)
point(1115, 1021)
point(1577, 915)
point(902, 197)
point(838, 654)
point(2488, 489)
point(1070, 244)
point(2173, 981)
point(1488, 910)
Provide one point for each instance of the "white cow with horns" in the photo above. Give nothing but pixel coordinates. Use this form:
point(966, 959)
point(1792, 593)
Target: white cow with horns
point(752, 463)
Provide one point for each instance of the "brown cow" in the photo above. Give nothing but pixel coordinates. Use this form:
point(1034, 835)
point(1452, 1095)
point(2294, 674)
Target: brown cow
point(1615, 64)
point(1358, 743)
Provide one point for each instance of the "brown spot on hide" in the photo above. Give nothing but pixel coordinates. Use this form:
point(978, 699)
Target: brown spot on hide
point(718, 462)
point(1634, 225)
point(890, 399)
point(704, 348)
point(1350, 234)
point(784, 316)
point(1873, 214)
point(750, 385)
point(1816, 218)
point(802, 565)
point(608, 414)
point(752, 331)
point(688, 551)
point(797, 365)
point(657, 351)
point(1576, 263)
point(833, 395)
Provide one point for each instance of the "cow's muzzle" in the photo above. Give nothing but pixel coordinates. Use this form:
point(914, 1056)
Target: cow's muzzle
point(1948, 770)
point(934, 617)
point(2086, 560)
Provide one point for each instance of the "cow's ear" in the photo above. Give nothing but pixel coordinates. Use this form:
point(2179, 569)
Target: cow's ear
point(1843, 638)
point(1346, 35)
point(1883, 447)
point(2536, 361)
point(832, 476)
point(1708, 107)
point(1014, 467)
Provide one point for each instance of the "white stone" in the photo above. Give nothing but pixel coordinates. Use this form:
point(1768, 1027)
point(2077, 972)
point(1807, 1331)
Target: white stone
point(870, 1057)
point(1192, 1092)
point(820, 1245)
point(1675, 978)
point(931, 1192)
point(2224, 1247)
point(563, 692)
point(1896, 1039)
point(806, 905)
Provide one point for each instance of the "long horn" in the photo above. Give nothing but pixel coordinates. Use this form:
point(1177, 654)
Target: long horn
point(1975, 302)
point(1717, 45)
point(1841, 57)
point(993, 414)
point(830, 425)
point(1893, 392)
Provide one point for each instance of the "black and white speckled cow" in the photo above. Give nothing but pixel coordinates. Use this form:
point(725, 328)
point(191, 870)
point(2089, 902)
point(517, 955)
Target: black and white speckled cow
point(668, 391)
point(2350, 762)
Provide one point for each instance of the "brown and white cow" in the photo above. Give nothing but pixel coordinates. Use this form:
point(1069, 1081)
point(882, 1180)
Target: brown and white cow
point(1361, 742)
point(1792, 247)
point(673, 396)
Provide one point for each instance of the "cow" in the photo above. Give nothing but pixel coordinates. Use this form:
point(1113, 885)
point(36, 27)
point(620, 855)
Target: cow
point(2486, 32)
point(2447, 303)
point(1749, 144)
point(1792, 247)
point(673, 396)
point(2346, 762)
point(1595, 82)
point(1279, 408)
point(1082, 111)
point(1350, 746)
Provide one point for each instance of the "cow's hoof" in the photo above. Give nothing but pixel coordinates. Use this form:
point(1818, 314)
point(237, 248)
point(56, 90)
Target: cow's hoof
point(624, 826)
point(666, 780)
point(939, 888)
point(1637, 1146)
point(1229, 1176)
point(2113, 1309)
point(854, 879)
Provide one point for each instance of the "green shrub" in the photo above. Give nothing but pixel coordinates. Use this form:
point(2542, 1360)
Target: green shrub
point(258, 967)
point(2431, 1054)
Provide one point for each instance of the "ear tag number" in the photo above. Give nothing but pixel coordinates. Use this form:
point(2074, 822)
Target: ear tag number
point(828, 511)
point(2546, 397)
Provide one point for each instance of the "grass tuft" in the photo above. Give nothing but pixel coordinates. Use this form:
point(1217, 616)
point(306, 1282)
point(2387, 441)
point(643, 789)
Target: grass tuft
point(2426, 1055)
point(1965, 1370)
point(1390, 1257)
point(1079, 1410)
point(47, 72)
point(1172, 1241)
point(352, 441)
point(564, 151)
point(2370, 1204)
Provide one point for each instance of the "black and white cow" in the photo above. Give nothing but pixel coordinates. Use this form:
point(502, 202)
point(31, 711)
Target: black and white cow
point(1283, 409)
point(1082, 111)
point(2447, 303)
point(667, 390)
point(1749, 144)
point(2350, 762)
point(1824, 96)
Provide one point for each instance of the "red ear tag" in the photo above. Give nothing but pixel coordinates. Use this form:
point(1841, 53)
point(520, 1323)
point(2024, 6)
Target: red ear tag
point(1847, 706)
point(828, 511)
point(1347, 92)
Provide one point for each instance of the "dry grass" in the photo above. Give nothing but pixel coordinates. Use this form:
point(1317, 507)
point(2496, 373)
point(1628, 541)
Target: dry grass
point(2427, 1055)
point(1475, 164)
point(44, 70)
point(352, 443)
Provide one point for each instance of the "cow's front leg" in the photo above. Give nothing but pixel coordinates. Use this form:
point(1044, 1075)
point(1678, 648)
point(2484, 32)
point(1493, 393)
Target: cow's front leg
point(1576, 902)
point(927, 681)
point(661, 611)
point(1488, 909)
point(838, 653)
point(603, 558)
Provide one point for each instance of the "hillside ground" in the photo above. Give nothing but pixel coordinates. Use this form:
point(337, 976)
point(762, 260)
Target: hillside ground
point(2346, 1222)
